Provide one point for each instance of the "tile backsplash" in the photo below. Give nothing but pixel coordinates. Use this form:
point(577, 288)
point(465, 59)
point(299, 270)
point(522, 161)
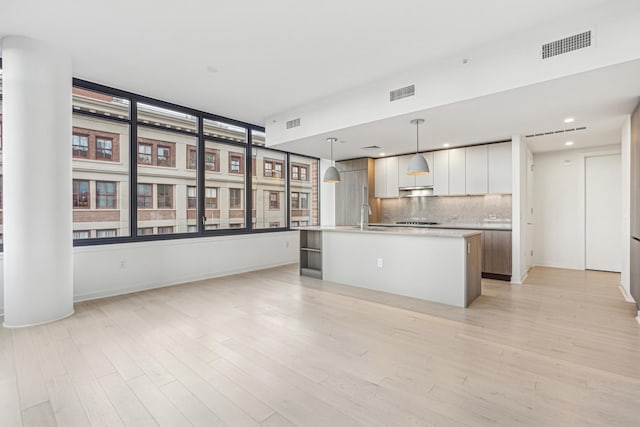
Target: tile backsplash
point(452, 209)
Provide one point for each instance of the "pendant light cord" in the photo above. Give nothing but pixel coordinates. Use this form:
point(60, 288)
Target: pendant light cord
point(417, 136)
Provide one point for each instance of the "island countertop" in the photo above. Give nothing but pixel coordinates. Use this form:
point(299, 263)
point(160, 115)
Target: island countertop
point(401, 231)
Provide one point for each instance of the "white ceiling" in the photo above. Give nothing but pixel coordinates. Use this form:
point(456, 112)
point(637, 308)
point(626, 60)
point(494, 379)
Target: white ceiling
point(267, 56)
point(597, 99)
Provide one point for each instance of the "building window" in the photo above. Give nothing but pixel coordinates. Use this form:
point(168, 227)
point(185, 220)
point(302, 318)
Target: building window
point(106, 195)
point(295, 223)
point(235, 225)
point(80, 234)
point(192, 228)
point(144, 154)
point(165, 196)
point(164, 156)
point(211, 227)
point(145, 231)
point(106, 233)
point(192, 197)
point(235, 163)
point(273, 168)
point(165, 230)
point(299, 200)
point(80, 194)
point(299, 172)
point(274, 224)
point(274, 200)
point(104, 149)
point(210, 198)
point(145, 196)
point(80, 146)
point(192, 158)
point(235, 198)
point(211, 160)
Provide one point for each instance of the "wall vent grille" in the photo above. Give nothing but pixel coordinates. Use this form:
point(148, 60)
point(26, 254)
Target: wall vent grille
point(553, 132)
point(567, 44)
point(293, 123)
point(403, 92)
point(371, 147)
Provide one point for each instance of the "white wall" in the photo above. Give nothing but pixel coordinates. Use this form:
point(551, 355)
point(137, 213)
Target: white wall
point(106, 270)
point(519, 152)
point(625, 187)
point(559, 205)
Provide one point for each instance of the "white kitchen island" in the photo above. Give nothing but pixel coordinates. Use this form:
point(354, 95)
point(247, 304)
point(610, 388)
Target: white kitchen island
point(435, 265)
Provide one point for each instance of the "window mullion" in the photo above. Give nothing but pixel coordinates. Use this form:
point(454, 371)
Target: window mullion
point(200, 178)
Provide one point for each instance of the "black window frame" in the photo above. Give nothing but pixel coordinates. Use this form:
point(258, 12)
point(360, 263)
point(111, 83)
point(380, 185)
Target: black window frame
point(244, 148)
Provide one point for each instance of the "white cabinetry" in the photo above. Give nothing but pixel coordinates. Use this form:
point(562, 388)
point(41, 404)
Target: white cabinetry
point(500, 168)
point(457, 172)
point(386, 177)
point(440, 172)
point(405, 180)
point(476, 170)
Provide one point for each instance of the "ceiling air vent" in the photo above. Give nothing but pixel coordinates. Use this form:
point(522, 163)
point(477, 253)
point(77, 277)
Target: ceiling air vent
point(371, 147)
point(555, 131)
point(567, 44)
point(403, 92)
point(293, 123)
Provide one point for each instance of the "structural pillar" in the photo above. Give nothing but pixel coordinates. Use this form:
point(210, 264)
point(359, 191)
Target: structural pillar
point(37, 216)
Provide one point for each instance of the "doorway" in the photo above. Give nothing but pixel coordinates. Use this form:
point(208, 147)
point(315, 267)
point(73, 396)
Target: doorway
point(603, 210)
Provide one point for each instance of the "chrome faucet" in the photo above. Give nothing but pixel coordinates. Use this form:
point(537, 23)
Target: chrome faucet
point(365, 210)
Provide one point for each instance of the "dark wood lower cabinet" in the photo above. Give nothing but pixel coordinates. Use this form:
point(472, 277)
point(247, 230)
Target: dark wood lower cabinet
point(496, 254)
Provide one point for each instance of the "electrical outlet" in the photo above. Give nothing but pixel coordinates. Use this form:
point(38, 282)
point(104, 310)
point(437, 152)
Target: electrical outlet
point(123, 263)
point(287, 244)
point(380, 263)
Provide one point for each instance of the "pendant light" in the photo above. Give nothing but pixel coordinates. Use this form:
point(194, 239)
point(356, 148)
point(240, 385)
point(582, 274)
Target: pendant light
point(331, 175)
point(417, 165)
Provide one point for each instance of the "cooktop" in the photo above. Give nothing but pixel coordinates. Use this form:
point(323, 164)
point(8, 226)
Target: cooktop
point(416, 223)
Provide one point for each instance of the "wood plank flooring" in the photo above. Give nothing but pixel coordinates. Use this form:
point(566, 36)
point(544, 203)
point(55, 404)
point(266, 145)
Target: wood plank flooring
point(271, 348)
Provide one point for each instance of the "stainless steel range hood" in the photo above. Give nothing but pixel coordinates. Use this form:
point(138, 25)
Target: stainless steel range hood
point(416, 191)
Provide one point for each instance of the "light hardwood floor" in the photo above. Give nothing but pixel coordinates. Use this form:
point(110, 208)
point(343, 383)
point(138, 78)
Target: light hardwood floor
point(270, 348)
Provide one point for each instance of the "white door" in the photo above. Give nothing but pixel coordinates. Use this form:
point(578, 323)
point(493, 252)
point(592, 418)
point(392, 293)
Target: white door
point(603, 209)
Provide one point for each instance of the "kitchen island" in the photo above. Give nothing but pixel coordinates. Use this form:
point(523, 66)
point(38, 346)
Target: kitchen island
point(435, 265)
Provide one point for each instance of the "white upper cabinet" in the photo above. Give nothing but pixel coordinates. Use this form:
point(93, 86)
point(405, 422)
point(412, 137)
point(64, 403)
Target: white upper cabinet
point(476, 176)
point(440, 172)
point(386, 177)
point(457, 172)
point(405, 180)
point(500, 168)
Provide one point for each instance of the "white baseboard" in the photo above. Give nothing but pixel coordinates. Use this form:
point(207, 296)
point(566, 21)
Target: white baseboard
point(627, 297)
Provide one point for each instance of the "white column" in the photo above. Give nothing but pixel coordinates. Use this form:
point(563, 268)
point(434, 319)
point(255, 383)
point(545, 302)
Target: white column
point(38, 245)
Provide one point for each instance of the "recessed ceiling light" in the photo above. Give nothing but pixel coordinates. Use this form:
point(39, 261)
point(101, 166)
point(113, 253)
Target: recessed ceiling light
point(568, 143)
point(446, 145)
point(569, 120)
point(382, 154)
